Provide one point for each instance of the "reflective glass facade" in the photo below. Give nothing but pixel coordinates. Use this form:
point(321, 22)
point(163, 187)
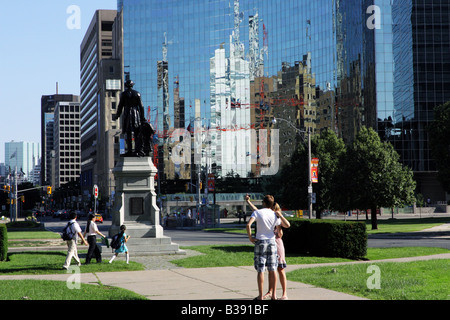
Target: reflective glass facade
point(421, 39)
point(239, 69)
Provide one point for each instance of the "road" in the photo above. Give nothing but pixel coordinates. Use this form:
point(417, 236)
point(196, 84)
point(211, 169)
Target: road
point(195, 237)
point(412, 239)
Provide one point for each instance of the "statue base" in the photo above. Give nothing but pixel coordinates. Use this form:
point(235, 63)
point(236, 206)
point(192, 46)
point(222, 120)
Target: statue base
point(135, 207)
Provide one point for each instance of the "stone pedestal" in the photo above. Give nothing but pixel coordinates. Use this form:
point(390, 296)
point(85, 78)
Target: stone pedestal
point(135, 207)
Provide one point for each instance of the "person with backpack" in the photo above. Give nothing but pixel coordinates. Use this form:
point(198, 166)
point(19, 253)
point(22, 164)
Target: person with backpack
point(70, 234)
point(118, 243)
point(92, 231)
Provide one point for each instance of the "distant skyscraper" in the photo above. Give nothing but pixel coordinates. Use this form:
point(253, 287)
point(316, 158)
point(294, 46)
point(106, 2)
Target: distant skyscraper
point(24, 156)
point(48, 103)
point(67, 143)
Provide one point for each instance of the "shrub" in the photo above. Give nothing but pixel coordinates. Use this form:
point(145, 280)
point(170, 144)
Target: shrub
point(27, 224)
point(328, 238)
point(3, 242)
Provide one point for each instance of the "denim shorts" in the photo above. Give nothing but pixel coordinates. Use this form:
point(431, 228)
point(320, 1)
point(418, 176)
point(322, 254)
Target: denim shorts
point(265, 255)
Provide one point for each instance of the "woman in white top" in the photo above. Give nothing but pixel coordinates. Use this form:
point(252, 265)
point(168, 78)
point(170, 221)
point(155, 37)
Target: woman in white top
point(92, 231)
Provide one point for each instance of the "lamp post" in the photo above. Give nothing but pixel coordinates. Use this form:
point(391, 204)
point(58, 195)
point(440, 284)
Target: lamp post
point(310, 188)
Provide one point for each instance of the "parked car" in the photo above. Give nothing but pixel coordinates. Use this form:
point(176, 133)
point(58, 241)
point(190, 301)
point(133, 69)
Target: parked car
point(98, 218)
point(57, 214)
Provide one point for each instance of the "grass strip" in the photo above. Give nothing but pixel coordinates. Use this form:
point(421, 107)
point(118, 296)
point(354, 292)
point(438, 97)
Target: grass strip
point(51, 262)
point(418, 280)
point(59, 290)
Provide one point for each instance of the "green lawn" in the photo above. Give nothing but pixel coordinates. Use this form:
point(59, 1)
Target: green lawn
point(49, 262)
point(32, 235)
point(242, 255)
point(59, 290)
point(405, 225)
point(418, 280)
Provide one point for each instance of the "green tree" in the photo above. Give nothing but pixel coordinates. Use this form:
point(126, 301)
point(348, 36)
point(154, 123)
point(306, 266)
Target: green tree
point(439, 138)
point(374, 175)
point(330, 150)
point(291, 184)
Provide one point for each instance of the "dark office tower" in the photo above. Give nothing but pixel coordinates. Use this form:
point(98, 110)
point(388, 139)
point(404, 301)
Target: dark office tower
point(100, 86)
point(421, 46)
point(48, 104)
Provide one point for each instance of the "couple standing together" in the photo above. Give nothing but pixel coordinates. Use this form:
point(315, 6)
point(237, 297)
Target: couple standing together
point(269, 248)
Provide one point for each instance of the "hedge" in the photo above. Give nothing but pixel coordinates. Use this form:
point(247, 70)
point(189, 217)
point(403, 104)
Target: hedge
point(3, 242)
point(326, 238)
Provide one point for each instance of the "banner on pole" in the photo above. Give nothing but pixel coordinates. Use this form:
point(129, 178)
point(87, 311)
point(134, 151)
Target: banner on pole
point(315, 170)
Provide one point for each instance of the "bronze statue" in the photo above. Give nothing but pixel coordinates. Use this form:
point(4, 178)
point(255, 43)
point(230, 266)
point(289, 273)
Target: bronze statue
point(132, 119)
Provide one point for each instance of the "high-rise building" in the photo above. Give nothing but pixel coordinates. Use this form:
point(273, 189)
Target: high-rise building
point(66, 146)
point(48, 103)
point(100, 86)
point(246, 67)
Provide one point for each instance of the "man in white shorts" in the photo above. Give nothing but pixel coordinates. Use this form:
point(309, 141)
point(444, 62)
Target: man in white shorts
point(265, 254)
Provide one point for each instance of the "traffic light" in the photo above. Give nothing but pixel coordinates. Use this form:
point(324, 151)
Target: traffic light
point(49, 190)
point(22, 198)
point(186, 187)
point(7, 188)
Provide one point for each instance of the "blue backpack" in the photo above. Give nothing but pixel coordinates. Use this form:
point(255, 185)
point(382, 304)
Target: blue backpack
point(67, 233)
point(115, 241)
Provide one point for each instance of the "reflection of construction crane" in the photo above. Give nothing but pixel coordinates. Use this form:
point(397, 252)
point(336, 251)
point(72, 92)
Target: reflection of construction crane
point(293, 102)
point(262, 85)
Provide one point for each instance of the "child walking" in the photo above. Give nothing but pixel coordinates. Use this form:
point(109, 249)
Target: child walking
point(123, 247)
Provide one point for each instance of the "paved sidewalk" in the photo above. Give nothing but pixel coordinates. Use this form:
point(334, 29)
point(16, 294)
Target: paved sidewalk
point(228, 283)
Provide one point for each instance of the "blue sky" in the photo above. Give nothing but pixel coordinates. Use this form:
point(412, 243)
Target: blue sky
point(38, 49)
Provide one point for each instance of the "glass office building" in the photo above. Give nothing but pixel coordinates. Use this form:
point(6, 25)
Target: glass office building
point(218, 77)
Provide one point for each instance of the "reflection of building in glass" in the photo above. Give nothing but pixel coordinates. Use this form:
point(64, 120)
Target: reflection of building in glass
point(339, 64)
point(230, 106)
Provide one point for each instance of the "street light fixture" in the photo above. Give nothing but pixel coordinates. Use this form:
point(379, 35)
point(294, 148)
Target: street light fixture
point(310, 188)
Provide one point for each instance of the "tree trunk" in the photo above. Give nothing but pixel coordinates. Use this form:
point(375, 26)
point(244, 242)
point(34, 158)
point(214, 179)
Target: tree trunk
point(373, 216)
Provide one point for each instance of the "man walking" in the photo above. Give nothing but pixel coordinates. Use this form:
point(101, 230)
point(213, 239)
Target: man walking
point(265, 253)
point(72, 251)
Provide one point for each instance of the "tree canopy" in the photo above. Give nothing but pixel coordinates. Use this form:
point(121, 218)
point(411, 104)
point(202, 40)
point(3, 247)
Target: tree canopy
point(439, 137)
point(366, 174)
